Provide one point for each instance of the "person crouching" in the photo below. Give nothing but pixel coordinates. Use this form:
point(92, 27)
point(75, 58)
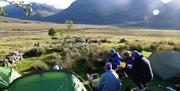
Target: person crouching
point(141, 70)
point(109, 81)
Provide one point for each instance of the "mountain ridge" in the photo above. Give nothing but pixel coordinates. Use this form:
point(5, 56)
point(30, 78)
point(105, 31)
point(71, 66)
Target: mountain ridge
point(117, 12)
point(41, 11)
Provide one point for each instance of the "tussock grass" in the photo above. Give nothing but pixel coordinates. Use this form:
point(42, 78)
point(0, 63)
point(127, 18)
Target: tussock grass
point(81, 59)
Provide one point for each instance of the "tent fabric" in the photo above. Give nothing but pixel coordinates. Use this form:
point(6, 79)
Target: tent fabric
point(47, 81)
point(166, 63)
point(7, 75)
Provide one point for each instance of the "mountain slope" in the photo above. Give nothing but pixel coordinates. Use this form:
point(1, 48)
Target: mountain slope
point(99, 12)
point(42, 10)
point(121, 12)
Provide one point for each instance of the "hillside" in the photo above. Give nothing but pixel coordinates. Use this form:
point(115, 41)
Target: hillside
point(98, 12)
point(41, 10)
point(128, 13)
point(9, 24)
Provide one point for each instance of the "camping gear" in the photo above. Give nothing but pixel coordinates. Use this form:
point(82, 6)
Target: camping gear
point(56, 67)
point(7, 75)
point(166, 63)
point(48, 81)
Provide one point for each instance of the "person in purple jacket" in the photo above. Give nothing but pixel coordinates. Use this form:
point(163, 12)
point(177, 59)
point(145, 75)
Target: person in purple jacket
point(114, 59)
point(129, 63)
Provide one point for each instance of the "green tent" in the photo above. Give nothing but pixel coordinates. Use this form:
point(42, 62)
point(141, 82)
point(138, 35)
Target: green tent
point(166, 63)
point(7, 75)
point(47, 81)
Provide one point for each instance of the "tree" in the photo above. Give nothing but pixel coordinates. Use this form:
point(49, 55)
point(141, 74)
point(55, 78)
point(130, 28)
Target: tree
point(52, 32)
point(20, 4)
point(69, 24)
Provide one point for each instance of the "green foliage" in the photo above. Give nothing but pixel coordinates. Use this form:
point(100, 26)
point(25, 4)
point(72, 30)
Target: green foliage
point(29, 11)
point(2, 55)
point(123, 40)
point(20, 4)
point(177, 48)
point(39, 66)
point(152, 47)
point(122, 47)
point(52, 59)
point(79, 59)
point(156, 47)
point(69, 24)
point(136, 47)
point(52, 32)
point(35, 52)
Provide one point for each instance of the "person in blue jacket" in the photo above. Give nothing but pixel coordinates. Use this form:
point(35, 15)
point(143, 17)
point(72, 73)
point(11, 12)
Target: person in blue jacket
point(109, 81)
point(114, 58)
point(141, 70)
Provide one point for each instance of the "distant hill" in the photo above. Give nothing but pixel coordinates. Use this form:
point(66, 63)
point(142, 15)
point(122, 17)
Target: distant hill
point(42, 10)
point(122, 12)
point(135, 13)
point(4, 19)
point(100, 12)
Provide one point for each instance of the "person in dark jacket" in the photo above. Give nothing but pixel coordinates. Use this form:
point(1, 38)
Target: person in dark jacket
point(129, 63)
point(141, 70)
point(114, 58)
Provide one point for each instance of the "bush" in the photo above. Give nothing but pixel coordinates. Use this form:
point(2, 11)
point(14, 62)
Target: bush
point(54, 38)
point(91, 58)
point(93, 41)
point(136, 47)
point(69, 23)
point(104, 41)
point(39, 66)
point(176, 48)
point(171, 43)
point(123, 40)
point(152, 47)
point(35, 52)
point(52, 32)
point(79, 59)
point(51, 62)
point(53, 59)
point(122, 47)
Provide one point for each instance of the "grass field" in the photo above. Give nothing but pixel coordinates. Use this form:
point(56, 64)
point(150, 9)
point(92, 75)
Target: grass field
point(21, 36)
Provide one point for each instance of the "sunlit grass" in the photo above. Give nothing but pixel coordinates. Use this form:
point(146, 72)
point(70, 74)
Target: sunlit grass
point(109, 45)
point(146, 54)
point(2, 55)
point(13, 40)
point(27, 63)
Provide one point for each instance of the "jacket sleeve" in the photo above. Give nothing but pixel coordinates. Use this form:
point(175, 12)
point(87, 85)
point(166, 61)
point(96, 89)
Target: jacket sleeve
point(101, 82)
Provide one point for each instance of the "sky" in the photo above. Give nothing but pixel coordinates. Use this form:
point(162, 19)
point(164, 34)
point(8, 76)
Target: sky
point(62, 4)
